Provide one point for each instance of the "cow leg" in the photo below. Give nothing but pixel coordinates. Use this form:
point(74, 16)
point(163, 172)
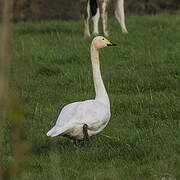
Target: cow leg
point(85, 10)
point(119, 13)
point(104, 16)
point(96, 22)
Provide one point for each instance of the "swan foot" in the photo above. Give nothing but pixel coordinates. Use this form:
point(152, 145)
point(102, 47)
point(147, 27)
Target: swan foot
point(85, 133)
point(76, 142)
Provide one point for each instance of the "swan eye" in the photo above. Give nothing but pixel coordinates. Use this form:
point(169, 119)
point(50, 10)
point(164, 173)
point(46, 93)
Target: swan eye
point(103, 39)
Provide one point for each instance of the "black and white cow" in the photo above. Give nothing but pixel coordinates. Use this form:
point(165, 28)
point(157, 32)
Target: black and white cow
point(95, 8)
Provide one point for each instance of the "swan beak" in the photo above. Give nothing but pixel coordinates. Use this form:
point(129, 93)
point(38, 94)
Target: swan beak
point(109, 43)
point(112, 44)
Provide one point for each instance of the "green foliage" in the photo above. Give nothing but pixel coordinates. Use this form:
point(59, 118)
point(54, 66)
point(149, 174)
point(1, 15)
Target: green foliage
point(142, 77)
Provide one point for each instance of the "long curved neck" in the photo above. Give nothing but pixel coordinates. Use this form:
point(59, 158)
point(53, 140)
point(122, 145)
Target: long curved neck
point(101, 94)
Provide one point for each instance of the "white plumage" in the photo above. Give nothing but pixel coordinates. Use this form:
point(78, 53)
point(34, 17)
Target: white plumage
point(93, 113)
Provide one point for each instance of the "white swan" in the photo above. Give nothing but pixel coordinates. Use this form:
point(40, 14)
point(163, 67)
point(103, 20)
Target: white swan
point(82, 119)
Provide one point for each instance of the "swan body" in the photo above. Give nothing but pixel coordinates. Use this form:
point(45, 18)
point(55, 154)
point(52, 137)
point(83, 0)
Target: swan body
point(95, 113)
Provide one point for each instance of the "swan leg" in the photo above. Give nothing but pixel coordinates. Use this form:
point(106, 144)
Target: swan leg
point(76, 142)
point(85, 133)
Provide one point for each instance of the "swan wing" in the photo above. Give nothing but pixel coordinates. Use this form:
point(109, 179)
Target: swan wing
point(66, 114)
point(93, 113)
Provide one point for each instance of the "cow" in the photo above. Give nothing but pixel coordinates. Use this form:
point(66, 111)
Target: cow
point(97, 9)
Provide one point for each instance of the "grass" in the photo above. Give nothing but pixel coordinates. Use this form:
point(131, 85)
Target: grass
point(51, 67)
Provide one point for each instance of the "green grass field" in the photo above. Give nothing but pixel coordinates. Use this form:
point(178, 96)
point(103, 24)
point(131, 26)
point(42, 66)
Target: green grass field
point(51, 67)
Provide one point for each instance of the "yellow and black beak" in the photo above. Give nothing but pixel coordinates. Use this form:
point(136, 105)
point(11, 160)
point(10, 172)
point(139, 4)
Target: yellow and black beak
point(109, 43)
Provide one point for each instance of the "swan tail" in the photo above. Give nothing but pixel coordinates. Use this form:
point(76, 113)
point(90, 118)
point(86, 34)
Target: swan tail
point(51, 132)
point(55, 131)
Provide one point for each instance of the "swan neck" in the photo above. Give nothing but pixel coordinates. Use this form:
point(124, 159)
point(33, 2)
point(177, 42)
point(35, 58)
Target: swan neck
point(101, 94)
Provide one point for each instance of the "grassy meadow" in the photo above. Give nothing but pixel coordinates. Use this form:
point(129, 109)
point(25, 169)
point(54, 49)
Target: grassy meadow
point(51, 67)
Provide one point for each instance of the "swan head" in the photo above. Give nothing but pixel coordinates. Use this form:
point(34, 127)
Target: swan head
point(101, 42)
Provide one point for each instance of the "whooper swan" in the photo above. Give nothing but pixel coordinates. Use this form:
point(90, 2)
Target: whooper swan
point(80, 120)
